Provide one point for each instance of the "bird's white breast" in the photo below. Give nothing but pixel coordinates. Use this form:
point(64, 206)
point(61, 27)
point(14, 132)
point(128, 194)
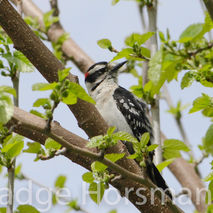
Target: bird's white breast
point(107, 107)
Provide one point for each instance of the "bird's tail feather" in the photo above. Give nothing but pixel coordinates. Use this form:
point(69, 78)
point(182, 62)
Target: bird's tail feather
point(157, 178)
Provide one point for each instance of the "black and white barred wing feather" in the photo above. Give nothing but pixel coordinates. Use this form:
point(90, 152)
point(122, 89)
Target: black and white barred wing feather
point(134, 112)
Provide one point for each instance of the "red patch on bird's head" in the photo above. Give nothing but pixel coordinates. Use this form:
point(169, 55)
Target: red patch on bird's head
point(86, 74)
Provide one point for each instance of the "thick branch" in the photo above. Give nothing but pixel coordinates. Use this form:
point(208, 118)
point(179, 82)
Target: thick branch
point(30, 125)
point(187, 176)
point(26, 41)
point(184, 173)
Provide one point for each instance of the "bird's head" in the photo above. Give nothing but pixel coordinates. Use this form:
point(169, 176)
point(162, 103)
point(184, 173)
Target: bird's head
point(99, 72)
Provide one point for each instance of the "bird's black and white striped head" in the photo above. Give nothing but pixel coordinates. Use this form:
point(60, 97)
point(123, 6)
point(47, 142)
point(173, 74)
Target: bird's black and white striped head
point(101, 72)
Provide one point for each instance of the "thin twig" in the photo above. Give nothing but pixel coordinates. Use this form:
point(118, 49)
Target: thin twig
point(193, 53)
point(48, 126)
point(199, 161)
point(53, 154)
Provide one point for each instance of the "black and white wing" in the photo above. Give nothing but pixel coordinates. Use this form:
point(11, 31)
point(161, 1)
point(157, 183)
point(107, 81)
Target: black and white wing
point(134, 111)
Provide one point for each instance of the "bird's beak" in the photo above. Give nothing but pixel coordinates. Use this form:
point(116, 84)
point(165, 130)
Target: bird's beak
point(118, 66)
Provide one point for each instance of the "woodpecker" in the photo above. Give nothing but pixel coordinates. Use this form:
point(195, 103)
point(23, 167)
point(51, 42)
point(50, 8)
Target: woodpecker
point(120, 108)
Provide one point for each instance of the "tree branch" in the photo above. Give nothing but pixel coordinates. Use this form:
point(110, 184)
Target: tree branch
point(30, 125)
point(48, 65)
point(155, 108)
point(184, 172)
point(88, 117)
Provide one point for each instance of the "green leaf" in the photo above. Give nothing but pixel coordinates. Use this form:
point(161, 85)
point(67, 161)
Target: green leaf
point(14, 149)
point(49, 19)
point(208, 112)
point(22, 62)
point(98, 166)
point(208, 140)
point(201, 103)
point(104, 43)
point(164, 164)
point(80, 92)
point(8, 90)
point(209, 177)
point(133, 156)
point(123, 53)
point(26, 209)
point(95, 141)
point(63, 38)
point(145, 52)
point(209, 207)
point(41, 101)
point(172, 148)
point(18, 169)
point(111, 130)
point(155, 72)
point(152, 147)
point(138, 38)
point(43, 86)
point(88, 177)
point(145, 139)
point(51, 144)
point(33, 147)
point(187, 80)
point(124, 136)
point(70, 99)
point(145, 37)
point(6, 108)
point(162, 37)
point(13, 139)
point(169, 65)
point(96, 191)
point(62, 74)
point(3, 210)
point(114, 156)
point(192, 32)
point(208, 25)
point(54, 199)
point(114, 2)
point(209, 197)
point(60, 181)
point(113, 211)
point(74, 205)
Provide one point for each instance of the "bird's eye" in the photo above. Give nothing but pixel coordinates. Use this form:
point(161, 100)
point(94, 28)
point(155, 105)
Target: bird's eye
point(86, 74)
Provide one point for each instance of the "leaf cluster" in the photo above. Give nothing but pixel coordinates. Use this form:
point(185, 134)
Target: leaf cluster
point(12, 61)
point(42, 153)
point(62, 91)
point(192, 53)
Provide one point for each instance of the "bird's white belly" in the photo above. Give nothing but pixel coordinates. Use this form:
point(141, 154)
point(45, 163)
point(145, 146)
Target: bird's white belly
point(111, 114)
